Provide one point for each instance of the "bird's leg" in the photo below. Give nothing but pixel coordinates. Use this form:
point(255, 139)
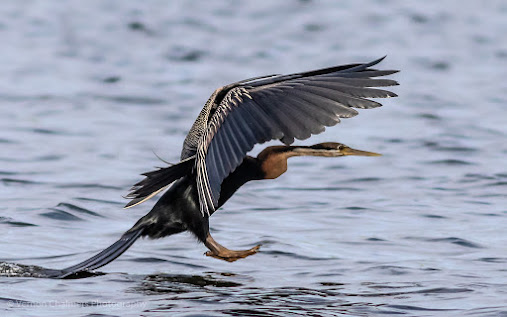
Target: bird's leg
point(218, 251)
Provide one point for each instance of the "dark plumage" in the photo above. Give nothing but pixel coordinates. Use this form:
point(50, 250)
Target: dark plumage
point(214, 163)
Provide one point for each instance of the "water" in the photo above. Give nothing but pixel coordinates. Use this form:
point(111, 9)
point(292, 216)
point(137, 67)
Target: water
point(89, 90)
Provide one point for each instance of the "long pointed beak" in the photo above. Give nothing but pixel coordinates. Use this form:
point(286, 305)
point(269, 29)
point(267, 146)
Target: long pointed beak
point(351, 151)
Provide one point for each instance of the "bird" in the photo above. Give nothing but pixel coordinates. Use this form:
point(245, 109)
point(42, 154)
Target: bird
point(214, 162)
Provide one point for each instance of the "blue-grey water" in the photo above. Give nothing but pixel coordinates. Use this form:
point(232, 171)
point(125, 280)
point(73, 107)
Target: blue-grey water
point(90, 90)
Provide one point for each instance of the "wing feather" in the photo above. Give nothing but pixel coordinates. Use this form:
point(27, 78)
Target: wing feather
point(345, 100)
point(336, 108)
point(360, 92)
point(267, 127)
point(213, 163)
point(231, 142)
point(313, 121)
point(301, 123)
point(288, 127)
point(222, 161)
point(324, 117)
point(365, 82)
point(246, 128)
point(284, 107)
point(365, 74)
point(237, 132)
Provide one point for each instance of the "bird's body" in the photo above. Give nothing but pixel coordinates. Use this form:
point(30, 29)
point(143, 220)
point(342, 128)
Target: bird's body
point(214, 164)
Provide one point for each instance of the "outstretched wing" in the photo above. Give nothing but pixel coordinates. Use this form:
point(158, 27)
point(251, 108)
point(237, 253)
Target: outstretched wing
point(283, 107)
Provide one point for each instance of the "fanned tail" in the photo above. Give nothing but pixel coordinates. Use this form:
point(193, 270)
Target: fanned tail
point(105, 256)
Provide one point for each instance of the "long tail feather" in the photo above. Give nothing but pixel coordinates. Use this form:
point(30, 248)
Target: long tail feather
point(105, 256)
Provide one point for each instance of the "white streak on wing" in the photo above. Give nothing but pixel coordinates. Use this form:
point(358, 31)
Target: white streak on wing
point(203, 181)
point(232, 99)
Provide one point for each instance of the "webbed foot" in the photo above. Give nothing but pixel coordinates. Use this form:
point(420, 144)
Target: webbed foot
point(232, 255)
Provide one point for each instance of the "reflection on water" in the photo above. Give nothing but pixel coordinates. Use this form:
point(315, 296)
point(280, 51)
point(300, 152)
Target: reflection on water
point(89, 91)
point(208, 292)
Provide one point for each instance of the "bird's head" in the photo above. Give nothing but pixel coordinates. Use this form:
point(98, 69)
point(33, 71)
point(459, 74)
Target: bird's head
point(331, 149)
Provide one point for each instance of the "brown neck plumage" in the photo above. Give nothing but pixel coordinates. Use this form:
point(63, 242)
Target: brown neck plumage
point(273, 160)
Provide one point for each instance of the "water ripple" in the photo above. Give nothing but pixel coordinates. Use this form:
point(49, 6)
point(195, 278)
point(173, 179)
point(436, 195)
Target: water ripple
point(15, 181)
point(457, 241)
point(57, 214)
point(87, 185)
point(14, 223)
point(452, 240)
point(166, 283)
point(450, 162)
point(133, 100)
point(73, 208)
point(438, 290)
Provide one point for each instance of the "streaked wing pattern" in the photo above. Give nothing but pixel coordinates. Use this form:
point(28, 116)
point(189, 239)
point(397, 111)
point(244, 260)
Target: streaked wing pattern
point(284, 107)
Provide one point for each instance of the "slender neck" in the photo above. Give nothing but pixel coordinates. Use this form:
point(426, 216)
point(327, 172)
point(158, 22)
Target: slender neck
point(249, 169)
point(269, 164)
